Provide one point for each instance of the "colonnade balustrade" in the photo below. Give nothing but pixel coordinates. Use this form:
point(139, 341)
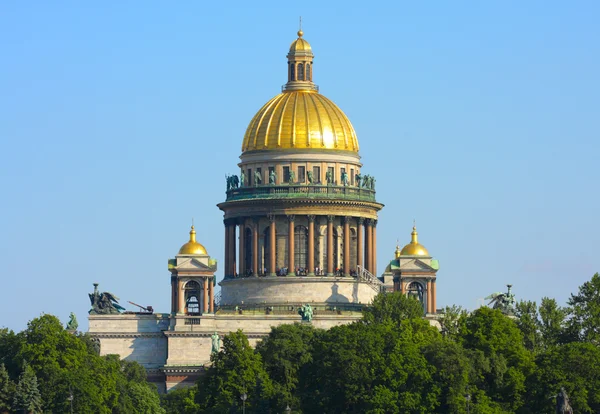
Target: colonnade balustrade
point(236, 264)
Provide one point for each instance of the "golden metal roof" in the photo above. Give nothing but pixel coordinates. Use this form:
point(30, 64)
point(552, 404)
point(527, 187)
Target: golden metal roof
point(414, 248)
point(299, 120)
point(192, 247)
point(300, 45)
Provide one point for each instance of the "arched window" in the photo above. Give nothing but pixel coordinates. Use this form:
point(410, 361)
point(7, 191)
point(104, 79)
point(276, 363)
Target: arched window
point(301, 247)
point(292, 72)
point(301, 71)
point(308, 74)
point(192, 295)
point(415, 290)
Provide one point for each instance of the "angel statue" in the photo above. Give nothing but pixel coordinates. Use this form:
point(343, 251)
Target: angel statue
point(505, 302)
point(357, 179)
point(257, 178)
point(104, 303)
point(242, 179)
point(309, 174)
point(72, 325)
point(272, 177)
point(215, 343)
point(306, 312)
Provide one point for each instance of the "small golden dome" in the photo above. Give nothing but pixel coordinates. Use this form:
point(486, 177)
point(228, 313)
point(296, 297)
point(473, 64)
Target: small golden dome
point(300, 45)
point(414, 248)
point(300, 120)
point(397, 252)
point(192, 247)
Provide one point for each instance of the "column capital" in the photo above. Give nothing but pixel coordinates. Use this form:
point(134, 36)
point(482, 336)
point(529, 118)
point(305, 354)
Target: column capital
point(347, 219)
point(361, 221)
point(291, 218)
point(330, 219)
point(368, 222)
point(271, 217)
point(374, 223)
point(311, 218)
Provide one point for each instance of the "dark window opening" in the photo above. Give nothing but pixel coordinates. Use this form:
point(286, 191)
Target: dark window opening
point(286, 174)
point(301, 174)
point(301, 71)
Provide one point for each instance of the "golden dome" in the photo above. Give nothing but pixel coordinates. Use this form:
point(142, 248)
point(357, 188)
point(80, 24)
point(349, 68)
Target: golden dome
point(298, 120)
point(414, 248)
point(300, 45)
point(192, 247)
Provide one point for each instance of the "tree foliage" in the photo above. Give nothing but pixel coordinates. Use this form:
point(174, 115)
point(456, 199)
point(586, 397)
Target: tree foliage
point(584, 312)
point(27, 397)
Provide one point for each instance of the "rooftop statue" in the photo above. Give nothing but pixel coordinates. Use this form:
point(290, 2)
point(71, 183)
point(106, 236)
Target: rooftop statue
point(216, 343)
point(306, 312)
point(104, 303)
point(257, 178)
point(345, 181)
point(272, 177)
point(309, 174)
point(372, 183)
point(242, 179)
point(358, 179)
point(505, 302)
point(329, 177)
point(72, 325)
point(292, 177)
point(562, 402)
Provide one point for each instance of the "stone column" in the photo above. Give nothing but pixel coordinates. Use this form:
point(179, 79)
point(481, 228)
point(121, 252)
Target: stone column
point(346, 246)
point(311, 245)
point(368, 235)
point(330, 245)
point(227, 259)
point(428, 307)
point(374, 251)
point(255, 248)
point(173, 294)
point(211, 296)
point(242, 250)
point(359, 241)
point(181, 299)
point(232, 265)
point(291, 247)
point(205, 289)
point(402, 288)
point(433, 298)
point(272, 247)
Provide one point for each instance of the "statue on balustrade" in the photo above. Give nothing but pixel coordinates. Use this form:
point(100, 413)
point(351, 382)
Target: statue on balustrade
point(505, 302)
point(306, 312)
point(309, 174)
point(104, 303)
point(215, 343)
point(272, 177)
point(257, 178)
point(358, 179)
point(72, 325)
point(292, 177)
point(242, 179)
point(329, 177)
point(366, 181)
point(345, 181)
point(372, 183)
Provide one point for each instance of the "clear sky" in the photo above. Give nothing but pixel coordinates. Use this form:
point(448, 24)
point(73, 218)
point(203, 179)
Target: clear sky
point(119, 121)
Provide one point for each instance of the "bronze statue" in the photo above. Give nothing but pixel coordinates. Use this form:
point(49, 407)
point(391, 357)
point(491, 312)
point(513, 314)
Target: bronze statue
point(505, 302)
point(242, 179)
point(104, 303)
point(292, 177)
point(72, 325)
point(358, 178)
point(345, 178)
point(562, 402)
point(257, 178)
point(329, 177)
point(272, 177)
point(310, 177)
point(216, 343)
point(306, 312)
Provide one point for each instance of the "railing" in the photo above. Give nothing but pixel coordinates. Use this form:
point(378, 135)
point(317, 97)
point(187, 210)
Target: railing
point(290, 309)
point(365, 276)
point(314, 191)
point(191, 321)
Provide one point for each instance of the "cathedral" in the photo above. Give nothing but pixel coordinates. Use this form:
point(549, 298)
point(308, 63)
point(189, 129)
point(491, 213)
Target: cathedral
point(300, 223)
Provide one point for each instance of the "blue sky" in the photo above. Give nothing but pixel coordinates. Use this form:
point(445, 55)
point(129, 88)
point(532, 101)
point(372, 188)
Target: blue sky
point(119, 121)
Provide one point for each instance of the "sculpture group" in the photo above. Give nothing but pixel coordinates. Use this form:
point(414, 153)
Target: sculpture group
point(361, 181)
point(104, 303)
point(505, 302)
point(306, 312)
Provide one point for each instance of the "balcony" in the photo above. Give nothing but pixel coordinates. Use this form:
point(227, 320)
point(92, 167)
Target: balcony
point(301, 191)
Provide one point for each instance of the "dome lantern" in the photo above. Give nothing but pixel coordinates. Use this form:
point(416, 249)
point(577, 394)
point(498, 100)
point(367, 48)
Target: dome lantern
point(300, 66)
point(192, 247)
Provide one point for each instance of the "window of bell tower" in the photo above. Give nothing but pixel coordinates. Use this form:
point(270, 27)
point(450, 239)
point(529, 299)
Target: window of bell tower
point(301, 71)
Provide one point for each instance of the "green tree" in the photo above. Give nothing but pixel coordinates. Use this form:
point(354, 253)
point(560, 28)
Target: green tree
point(27, 397)
point(286, 351)
point(392, 307)
point(7, 389)
point(235, 370)
point(451, 320)
point(500, 361)
point(552, 322)
point(180, 401)
point(529, 324)
point(584, 311)
point(575, 366)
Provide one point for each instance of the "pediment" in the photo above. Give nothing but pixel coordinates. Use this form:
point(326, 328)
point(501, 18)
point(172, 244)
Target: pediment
point(416, 264)
point(192, 264)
